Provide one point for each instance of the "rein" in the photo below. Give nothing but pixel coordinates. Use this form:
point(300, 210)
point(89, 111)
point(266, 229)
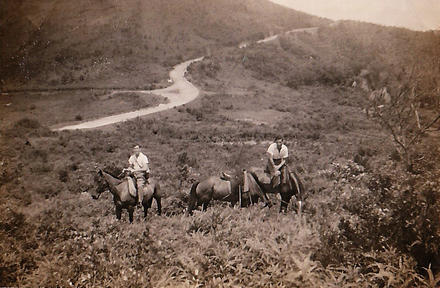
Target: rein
point(110, 185)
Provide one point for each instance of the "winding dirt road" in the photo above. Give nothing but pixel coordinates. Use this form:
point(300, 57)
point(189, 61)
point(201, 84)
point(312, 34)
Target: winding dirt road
point(181, 92)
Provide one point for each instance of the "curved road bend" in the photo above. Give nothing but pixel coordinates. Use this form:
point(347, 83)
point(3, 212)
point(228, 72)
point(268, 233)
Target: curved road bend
point(181, 92)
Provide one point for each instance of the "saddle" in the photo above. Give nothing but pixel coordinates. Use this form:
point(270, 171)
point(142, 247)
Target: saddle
point(131, 186)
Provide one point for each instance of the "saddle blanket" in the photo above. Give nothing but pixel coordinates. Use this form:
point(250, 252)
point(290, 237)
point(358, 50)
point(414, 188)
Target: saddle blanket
point(131, 186)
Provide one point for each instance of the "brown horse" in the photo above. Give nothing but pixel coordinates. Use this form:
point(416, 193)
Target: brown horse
point(121, 195)
point(231, 190)
point(289, 186)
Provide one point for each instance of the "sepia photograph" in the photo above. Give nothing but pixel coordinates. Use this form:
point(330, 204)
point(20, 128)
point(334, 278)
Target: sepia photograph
point(220, 143)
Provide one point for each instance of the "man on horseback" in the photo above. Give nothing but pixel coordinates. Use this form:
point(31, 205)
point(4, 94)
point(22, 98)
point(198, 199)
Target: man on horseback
point(138, 165)
point(277, 154)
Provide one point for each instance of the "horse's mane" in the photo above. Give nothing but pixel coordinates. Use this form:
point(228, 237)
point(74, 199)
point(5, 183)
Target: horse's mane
point(113, 171)
point(116, 180)
point(110, 173)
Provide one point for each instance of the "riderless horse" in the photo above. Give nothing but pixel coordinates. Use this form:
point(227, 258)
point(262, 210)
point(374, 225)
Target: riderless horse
point(241, 188)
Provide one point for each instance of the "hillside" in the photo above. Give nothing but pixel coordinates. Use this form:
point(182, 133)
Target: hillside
point(301, 85)
point(339, 54)
point(125, 43)
point(368, 219)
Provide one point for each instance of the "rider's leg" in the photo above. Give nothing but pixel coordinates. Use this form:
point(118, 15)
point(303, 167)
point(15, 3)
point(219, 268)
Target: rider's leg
point(140, 180)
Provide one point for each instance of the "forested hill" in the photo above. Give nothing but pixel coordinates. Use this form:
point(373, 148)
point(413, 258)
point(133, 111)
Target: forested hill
point(338, 54)
point(66, 42)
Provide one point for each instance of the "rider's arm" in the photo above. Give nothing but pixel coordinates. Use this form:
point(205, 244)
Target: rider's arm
point(270, 158)
point(283, 162)
point(285, 157)
point(147, 168)
point(130, 165)
point(145, 164)
point(276, 167)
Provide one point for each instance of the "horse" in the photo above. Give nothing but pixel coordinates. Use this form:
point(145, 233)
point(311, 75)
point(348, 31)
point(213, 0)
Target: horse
point(226, 188)
point(121, 195)
point(290, 186)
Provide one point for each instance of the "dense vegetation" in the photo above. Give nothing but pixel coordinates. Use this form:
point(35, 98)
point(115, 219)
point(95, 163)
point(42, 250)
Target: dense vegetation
point(83, 43)
point(406, 64)
point(368, 220)
point(355, 223)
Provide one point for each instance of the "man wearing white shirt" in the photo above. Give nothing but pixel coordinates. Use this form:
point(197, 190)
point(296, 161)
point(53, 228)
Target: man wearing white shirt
point(138, 164)
point(277, 155)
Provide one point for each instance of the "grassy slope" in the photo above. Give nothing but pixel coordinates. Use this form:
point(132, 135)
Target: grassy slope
point(337, 56)
point(126, 43)
point(229, 246)
point(51, 108)
point(175, 247)
point(343, 158)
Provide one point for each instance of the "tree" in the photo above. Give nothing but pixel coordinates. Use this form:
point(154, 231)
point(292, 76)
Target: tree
point(401, 116)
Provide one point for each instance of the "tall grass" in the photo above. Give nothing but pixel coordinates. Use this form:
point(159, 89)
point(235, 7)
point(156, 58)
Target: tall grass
point(53, 234)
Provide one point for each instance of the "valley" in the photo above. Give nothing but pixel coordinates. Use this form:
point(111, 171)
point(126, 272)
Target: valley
point(370, 209)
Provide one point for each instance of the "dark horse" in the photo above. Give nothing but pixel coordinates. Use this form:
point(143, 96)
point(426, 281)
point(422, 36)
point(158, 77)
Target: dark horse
point(231, 190)
point(289, 186)
point(121, 195)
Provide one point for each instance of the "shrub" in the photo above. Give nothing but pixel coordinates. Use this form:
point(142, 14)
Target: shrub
point(26, 127)
point(40, 168)
point(63, 175)
point(195, 112)
point(46, 191)
point(400, 215)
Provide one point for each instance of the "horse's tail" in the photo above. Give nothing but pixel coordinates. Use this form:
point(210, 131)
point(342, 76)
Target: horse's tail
point(297, 184)
point(157, 196)
point(192, 198)
point(262, 193)
point(253, 180)
point(257, 180)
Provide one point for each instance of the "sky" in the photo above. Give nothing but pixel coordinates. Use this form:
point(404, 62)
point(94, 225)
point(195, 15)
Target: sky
point(419, 15)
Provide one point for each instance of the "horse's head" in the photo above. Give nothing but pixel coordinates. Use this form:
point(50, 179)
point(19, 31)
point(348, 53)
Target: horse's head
point(100, 183)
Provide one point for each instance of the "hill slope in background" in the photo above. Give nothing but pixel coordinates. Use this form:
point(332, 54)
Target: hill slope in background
point(338, 54)
point(85, 43)
point(362, 209)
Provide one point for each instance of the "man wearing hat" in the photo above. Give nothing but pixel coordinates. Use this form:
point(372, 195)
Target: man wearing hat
point(139, 166)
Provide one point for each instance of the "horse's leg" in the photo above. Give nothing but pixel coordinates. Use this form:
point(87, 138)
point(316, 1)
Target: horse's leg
point(130, 214)
point(118, 212)
point(159, 205)
point(285, 199)
point(147, 205)
point(255, 199)
point(205, 205)
point(191, 206)
point(192, 198)
point(283, 204)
